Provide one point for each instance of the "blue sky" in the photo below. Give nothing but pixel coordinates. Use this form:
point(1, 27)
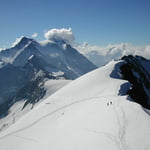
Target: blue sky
point(98, 22)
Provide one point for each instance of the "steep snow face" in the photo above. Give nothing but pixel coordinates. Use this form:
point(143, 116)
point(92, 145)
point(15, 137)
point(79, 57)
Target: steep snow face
point(86, 114)
point(9, 55)
point(66, 58)
point(22, 56)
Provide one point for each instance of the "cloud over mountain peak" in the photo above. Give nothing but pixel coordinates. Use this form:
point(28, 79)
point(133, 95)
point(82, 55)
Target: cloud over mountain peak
point(63, 34)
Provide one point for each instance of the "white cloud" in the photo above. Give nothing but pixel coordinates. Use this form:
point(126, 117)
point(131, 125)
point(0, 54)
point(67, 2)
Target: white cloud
point(113, 49)
point(34, 35)
point(102, 54)
point(63, 34)
point(85, 48)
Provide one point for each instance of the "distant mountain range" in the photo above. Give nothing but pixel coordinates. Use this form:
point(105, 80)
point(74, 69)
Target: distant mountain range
point(30, 63)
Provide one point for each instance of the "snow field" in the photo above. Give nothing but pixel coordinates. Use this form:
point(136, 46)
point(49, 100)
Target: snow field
point(86, 114)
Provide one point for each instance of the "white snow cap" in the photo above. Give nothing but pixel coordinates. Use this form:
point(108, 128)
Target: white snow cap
point(17, 41)
point(63, 34)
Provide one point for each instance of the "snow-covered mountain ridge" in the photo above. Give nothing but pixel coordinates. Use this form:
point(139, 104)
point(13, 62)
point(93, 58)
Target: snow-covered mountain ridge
point(91, 112)
point(95, 111)
point(29, 63)
point(61, 55)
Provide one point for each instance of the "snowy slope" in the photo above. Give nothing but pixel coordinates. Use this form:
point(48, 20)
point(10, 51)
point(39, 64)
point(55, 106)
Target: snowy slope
point(18, 110)
point(87, 114)
point(21, 65)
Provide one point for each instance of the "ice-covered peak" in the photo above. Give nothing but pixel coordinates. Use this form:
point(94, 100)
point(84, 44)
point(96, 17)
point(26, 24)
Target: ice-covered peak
point(25, 38)
point(23, 42)
point(25, 53)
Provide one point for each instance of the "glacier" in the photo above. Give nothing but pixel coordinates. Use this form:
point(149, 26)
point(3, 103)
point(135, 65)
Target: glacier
point(88, 113)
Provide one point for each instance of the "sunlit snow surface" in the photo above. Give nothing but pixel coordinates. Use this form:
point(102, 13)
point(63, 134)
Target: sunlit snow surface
point(87, 114)
point(18, 110)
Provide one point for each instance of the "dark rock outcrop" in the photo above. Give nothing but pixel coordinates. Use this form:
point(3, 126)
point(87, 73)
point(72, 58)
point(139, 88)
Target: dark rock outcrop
point(136, 71)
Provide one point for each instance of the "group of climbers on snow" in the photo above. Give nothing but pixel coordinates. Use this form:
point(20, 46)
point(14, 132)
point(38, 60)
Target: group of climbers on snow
point(109, 103)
